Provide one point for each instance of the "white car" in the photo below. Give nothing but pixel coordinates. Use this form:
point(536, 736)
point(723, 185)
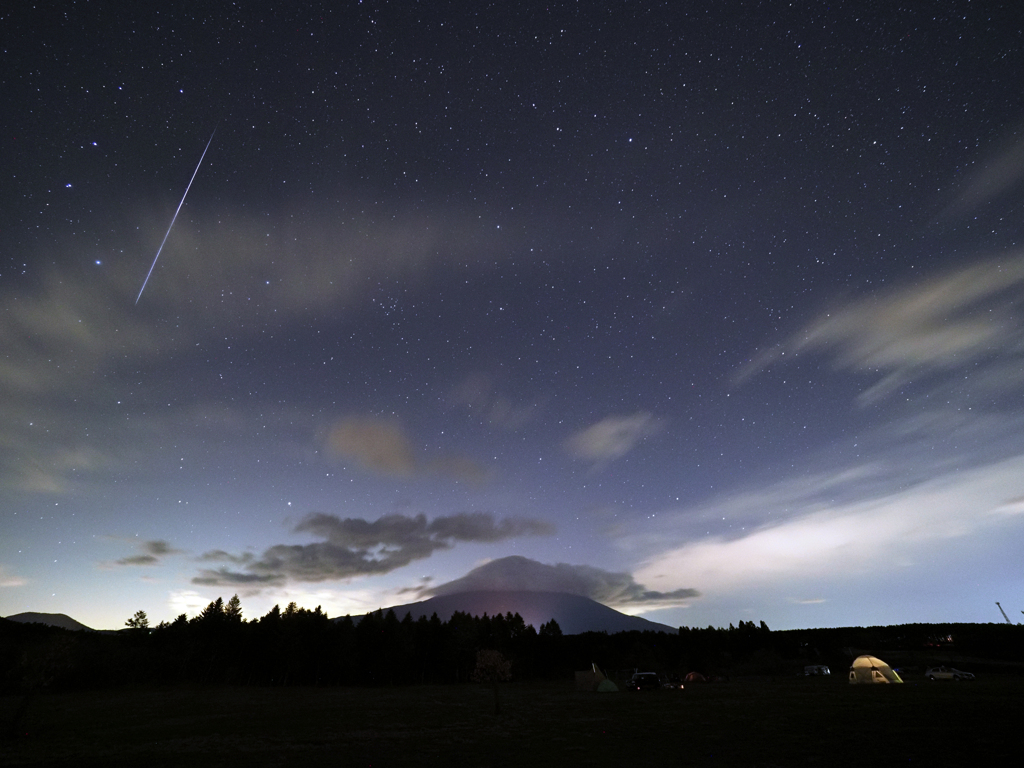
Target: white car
point(947, 673)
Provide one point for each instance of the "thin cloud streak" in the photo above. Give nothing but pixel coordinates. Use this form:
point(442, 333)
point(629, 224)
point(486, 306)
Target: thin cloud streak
point(1000, 173)
point(152, 553)
point(80, 321)
point(612, 437)
point(7, 579)
point(939, 326)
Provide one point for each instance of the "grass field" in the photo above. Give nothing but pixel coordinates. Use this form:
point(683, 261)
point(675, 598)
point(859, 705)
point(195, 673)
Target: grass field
point(748, 722)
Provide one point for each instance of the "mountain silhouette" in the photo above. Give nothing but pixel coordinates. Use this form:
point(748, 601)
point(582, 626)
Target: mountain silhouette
point(50, 619)
point(574, 613)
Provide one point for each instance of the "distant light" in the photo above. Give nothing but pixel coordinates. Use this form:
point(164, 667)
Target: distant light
point(98, 261)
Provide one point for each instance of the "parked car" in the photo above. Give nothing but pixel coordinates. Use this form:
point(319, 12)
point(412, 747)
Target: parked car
point(644, 681)
point(815, 670)
point(947, 673)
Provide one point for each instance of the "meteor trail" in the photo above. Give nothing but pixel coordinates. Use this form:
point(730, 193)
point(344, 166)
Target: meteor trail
point(174, 218)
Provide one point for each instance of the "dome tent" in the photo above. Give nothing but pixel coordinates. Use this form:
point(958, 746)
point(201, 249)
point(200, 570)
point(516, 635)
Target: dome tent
point(594, 679)
point(868, 669)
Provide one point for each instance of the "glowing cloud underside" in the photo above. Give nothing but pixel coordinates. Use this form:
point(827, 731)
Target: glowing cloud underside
point(874, 536)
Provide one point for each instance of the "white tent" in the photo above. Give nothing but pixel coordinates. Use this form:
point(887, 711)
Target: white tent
point(868, 669)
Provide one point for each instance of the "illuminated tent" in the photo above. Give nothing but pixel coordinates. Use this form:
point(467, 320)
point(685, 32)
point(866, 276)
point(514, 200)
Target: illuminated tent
point(868, 669)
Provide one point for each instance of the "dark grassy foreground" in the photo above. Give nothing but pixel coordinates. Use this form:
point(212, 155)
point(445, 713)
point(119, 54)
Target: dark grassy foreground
point(749, 722)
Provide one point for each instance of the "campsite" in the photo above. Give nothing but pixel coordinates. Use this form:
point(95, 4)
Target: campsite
point(750, 721)
point(298, 687)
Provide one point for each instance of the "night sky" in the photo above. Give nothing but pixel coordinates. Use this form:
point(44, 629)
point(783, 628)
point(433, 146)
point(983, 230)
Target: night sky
point(708, 311)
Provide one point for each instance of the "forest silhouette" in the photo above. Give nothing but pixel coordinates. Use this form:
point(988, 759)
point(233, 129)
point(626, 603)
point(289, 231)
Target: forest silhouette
point(302, 647)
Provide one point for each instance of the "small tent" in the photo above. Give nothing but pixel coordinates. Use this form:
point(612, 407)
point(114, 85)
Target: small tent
point(868, 669)
point(594, 679)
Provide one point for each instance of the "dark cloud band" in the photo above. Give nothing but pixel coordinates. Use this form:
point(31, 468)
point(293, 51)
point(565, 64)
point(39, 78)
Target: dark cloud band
point(353, 547)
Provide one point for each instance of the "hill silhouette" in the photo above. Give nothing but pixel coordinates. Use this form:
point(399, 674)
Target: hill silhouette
point(51, 620)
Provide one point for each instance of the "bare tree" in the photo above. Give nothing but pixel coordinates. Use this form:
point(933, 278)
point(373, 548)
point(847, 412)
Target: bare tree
point(492, 667)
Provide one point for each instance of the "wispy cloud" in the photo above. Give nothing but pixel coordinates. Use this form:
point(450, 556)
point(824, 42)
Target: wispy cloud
point(1000, 172)
point(516, 573)
point(77, 319)
point(220, 556)
point(8, 579)
point(964, 319)
point(222, 577)
point(382, 446)
point(59, 469)
point(1011, 507)
point(353, 547)
point(612, 437)
point(65, 336)
point(479, 394)
point(151, 552)
point(377, 445)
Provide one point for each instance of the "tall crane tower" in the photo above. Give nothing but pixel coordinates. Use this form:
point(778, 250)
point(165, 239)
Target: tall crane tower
point(1003, 612)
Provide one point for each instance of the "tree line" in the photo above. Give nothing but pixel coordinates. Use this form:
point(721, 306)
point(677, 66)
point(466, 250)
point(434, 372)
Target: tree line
point(297, 646)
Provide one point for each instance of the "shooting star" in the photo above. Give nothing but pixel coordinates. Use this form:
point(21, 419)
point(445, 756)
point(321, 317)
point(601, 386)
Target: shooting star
point(174, 218)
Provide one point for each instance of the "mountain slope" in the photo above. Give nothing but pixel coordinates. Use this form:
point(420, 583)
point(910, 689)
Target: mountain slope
point(574, 614)
point(50, 619)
